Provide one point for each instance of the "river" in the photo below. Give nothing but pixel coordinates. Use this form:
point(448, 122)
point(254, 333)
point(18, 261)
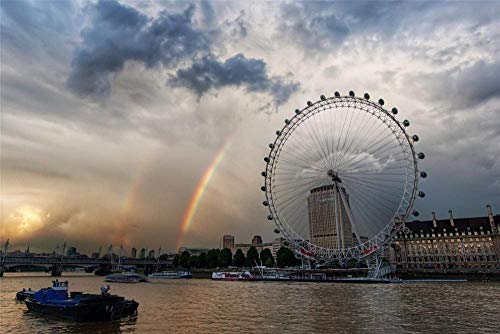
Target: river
point(205, 306)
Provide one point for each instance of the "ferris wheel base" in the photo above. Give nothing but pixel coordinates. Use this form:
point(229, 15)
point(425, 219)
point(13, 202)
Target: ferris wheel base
point(377, 267)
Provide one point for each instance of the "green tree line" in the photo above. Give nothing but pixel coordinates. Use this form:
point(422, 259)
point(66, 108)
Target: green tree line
point(216, 258)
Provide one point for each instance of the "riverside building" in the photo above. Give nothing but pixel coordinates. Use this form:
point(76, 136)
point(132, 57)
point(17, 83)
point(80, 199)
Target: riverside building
point(453, 245)
point(329, 224)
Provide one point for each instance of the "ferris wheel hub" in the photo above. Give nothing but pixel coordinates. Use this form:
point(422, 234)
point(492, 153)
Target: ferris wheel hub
point(334, 175)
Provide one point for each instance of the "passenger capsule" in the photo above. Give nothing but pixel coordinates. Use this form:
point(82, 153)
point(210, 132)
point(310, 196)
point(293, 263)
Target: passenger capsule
point(263, 174)
point(271, 145)
point(297, 111)
point(351, 93)
point(395, 111)
point(421, 194)
point(406, 123)
point(277, 231)
point(322, 97)
point(415, 213)
point(381, 102)
point(337, 94)
point(266, 159)
point(421, 155)
point(309, 103)
point(423, 175)
point(265, 203)
point(287, 121)
point(263, 188)
point(415, 138)
point(270, 217)
point(367, 96)
point(278, 133)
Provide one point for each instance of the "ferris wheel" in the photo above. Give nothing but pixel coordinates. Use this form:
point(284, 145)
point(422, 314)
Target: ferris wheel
point(341, 177)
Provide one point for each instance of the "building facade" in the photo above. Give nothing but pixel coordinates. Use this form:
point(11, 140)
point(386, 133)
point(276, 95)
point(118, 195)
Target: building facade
point(329, 224)
point(228, 242)
point(449, 245)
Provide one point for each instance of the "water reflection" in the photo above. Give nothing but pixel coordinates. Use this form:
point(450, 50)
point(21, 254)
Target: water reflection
point(204, 306)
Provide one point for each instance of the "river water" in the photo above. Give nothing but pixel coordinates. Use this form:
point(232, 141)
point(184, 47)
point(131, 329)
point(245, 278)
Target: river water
point(205, 306)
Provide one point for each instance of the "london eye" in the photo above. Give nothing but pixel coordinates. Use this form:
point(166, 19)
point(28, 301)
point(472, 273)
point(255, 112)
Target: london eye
point(341, 177)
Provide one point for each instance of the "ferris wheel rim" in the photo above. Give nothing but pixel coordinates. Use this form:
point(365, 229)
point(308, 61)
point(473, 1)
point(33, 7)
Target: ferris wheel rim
point(408, 196)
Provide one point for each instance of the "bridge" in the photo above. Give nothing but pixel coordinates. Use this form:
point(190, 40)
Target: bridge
point(56, 262)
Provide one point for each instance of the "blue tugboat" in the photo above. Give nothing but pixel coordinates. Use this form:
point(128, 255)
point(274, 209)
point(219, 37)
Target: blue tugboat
point(80, 306)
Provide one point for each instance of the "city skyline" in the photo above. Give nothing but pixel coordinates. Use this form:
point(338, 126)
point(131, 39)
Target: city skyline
point(135, 143)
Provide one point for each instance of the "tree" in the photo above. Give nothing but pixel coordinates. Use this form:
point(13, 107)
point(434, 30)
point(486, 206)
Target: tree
point(269, 262)
point(252, 257)
point(184, 259)
point(202, 260)
point(193, 261)
point(213, 258)
point(225, 257)
point(239, 258)
point(175, 261)
point(285, 257)
point(265, 255)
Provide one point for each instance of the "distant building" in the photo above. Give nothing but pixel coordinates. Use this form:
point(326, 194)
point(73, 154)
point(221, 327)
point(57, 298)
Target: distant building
point(329, 224)
point(133, 253)
point(151, 254)
point(449, 245)
point(228, 242)
point(95, 255)
point(257, 241)
point(142, 254)
point(71, 251)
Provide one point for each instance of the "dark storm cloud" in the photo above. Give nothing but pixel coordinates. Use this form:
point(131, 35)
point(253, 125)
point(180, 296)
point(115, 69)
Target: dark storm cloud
point(477, 83)
point(119, 33)
point(326, 25)
point(209, 73)
point(461, 87)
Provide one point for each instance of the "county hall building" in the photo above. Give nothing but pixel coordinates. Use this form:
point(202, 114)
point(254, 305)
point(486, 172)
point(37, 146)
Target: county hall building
point(453, 245)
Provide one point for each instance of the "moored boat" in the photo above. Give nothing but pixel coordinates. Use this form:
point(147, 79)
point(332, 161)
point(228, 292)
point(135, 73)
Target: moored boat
point(171, 275)
point(233, 276)
point(81, 306)
point(126, 277)
point(25, 293)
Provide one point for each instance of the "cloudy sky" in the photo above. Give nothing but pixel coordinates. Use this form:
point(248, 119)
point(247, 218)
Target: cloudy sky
point(111, 112)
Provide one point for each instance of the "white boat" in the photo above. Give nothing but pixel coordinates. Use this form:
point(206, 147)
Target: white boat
point(232, 276)
point(171, 274)
point(126, 277)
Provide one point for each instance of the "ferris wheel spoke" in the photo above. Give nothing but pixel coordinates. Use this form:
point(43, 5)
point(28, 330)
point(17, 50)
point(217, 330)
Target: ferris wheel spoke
point(355, 135)
point(301, 166)
point(309, 145)
point(356, 152)
point(317, 141)
point(304, 159)
point(291, 185)
point(340, 137)
point(375, 186)
point(364, 215)
point(289, 200)
point(361, 166)
point(384, 147)
point(369, 202)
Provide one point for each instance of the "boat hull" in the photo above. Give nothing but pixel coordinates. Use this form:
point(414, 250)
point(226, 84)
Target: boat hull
point(106, 309)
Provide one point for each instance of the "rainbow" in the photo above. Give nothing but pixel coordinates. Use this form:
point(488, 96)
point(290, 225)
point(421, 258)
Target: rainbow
point(199, 191)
